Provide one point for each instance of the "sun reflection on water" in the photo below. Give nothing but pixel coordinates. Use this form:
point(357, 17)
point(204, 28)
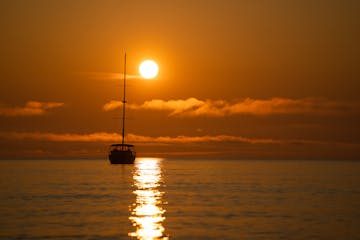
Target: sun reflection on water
point(147, 213)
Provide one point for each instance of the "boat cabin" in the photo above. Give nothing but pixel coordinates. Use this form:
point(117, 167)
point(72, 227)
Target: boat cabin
point(122, 147)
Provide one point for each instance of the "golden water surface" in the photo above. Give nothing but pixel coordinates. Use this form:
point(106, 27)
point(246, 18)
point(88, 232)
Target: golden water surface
point(147, 213)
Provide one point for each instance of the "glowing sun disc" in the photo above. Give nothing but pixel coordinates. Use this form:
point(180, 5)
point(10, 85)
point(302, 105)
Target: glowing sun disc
point(148, 69)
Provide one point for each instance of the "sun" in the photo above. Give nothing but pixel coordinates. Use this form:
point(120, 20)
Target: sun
point(148, 69)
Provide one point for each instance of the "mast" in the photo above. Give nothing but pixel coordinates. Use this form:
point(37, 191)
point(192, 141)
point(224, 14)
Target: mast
point(124, 102)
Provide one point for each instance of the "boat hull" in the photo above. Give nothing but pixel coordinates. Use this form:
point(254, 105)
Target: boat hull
point(121, 157)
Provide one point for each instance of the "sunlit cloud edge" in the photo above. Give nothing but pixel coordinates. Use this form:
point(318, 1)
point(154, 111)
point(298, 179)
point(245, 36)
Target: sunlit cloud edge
point(193, 107)
point(151, 140)
point(30, 108)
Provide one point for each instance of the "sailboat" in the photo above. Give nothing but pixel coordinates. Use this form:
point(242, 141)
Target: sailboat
point(122, 153)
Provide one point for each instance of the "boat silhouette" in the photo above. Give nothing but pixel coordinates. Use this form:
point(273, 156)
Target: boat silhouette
point(122, 153)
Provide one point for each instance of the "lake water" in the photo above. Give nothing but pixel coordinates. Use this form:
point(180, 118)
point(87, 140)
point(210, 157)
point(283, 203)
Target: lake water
point(179, 199)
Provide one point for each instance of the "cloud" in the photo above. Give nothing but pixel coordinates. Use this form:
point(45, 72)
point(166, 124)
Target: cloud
point(112, 105)
point(31, 108)
point(134, 138)
point(62, 137)
point(174, 106)
point(196, 139)
point(108, 76)
point(218, 108)
point(92, 145)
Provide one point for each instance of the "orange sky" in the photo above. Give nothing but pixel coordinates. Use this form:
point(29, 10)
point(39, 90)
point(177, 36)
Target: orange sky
point(243, 79)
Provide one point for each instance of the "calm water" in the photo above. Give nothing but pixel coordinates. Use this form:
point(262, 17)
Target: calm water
point(179, 199)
